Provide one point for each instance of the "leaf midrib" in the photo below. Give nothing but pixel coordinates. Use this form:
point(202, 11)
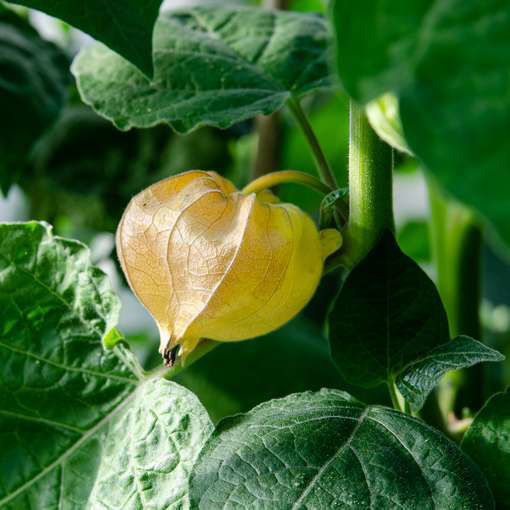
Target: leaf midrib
point(325, 466)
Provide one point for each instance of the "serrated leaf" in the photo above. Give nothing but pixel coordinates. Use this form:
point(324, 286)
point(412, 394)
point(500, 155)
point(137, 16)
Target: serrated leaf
point(487, 442)
point(214, 65)
point(63, 399)
point(326, 450)
point(420, 377)
point(454, 93)
point(126, 26)
point(387, 314)
point(34, 78)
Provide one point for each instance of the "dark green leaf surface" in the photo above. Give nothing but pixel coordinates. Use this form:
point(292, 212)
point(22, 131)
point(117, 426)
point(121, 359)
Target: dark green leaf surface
point(487, 442)
point(34, 75)
point(325, 450)
point(420, 377)
point(448, 62)
point(126, 26)
point(387, 315)
point(213, 65)
point(70, 411)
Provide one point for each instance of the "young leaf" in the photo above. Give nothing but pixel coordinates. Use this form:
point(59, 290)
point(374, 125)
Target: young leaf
point(72, 415)
point(326, 450)
point(126, 26)
point(454, 94)
point(213, 65)
point(420, 377)
point(35, 75)
point(487, 442)
point(387, 315)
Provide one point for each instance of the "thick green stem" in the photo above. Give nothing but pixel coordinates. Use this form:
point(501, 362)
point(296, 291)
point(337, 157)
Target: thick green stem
point(323, 167)
point(370, 187)
point(456, 247)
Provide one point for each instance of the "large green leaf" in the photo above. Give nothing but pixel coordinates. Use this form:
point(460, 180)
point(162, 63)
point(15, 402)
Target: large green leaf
point(325, 450)
point(34, 75)
point(79, 428)
point(487, 441)
point(387, 315)
point(126, 26)
point(420, 377)
point(213, 65)
point(448, 62)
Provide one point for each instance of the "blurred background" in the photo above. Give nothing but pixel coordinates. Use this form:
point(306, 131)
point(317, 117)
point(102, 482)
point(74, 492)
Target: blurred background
point(82, 172)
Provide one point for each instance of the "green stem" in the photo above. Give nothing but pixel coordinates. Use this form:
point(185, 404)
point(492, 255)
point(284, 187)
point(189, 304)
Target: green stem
point(323, 167)
point(370, 187)
point(285, 176)
point(456, 247)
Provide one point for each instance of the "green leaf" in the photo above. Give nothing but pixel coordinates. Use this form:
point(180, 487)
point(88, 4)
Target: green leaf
point(125, 26)
point(487, 442)
point(213, 65)
point(150, 448)
point(326, 450)
point(34, 75)
point(420, 377)
point(454, 93)
point(387, 315)
point(79, 429)
point(383, 115)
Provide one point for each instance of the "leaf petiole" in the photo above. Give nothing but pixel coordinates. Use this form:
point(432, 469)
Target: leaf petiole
point(323, 167)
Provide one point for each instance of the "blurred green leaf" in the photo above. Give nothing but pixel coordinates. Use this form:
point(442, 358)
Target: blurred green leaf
point(126, 26)
point(68, 176)
point(214, 65)
point(448, 63)
point(414, 240)
point(487, 442)
point(34, 75)
point(308, 5)
point(383, 115)
point(326, 450)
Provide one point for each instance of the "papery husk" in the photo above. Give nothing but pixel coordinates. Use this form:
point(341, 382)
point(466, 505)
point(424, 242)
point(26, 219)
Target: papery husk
point(210, 262)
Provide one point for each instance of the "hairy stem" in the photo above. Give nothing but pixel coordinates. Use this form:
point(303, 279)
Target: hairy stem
point(325, 172)
point(370, 187)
